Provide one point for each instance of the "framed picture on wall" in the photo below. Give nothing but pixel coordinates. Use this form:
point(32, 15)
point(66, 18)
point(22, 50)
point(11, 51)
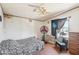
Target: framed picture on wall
point(0, 18)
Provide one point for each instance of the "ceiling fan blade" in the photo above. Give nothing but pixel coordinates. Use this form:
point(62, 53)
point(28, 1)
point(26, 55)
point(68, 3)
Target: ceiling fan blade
point(33, 6)
point(36, 5)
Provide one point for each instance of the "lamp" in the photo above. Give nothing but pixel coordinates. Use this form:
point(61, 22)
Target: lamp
point(43, 30)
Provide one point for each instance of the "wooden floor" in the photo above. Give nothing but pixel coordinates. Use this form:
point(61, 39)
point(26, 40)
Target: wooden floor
point(50, 49)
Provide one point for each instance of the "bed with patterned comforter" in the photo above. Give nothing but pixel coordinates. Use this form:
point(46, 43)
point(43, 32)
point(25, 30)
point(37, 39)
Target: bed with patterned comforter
point(20, 47)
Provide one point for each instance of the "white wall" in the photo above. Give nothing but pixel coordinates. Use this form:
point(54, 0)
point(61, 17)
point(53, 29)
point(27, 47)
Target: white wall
point(74, 21)
point(37, 26)
point(19, 28)
point(1, 26)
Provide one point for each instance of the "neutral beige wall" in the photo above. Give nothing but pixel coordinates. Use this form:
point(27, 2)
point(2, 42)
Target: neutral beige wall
point(19, 28)
point(74, 20)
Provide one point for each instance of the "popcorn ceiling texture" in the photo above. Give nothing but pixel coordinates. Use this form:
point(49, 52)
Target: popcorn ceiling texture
point(20, 47)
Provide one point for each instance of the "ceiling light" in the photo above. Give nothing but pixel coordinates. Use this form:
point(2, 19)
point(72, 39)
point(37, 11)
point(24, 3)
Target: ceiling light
point(39, 9)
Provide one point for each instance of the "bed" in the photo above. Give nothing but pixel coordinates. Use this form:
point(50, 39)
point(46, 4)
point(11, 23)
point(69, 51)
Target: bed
point(20, 47)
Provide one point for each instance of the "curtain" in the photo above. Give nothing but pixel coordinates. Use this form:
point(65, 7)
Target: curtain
point(61, 22)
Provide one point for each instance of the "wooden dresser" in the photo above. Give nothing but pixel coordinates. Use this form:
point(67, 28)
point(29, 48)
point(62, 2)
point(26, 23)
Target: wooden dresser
point(74, 43)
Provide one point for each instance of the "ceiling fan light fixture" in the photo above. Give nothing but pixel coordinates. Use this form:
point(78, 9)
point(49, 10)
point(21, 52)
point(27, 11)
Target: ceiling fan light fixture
point(40, 9)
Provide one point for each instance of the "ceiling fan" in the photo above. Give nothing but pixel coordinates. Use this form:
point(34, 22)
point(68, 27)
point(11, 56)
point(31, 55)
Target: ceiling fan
point(39, 8)
point(37, 5)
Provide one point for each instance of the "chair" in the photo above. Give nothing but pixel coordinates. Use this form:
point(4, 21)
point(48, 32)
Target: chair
point(62, 43)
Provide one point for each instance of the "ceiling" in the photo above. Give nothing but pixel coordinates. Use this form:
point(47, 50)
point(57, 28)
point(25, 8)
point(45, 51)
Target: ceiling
point(27, 9)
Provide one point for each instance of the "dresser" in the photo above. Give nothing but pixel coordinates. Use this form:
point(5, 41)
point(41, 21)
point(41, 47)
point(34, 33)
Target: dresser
point(74, 43)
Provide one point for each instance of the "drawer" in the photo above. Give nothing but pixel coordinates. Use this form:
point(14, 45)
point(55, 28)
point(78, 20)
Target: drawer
point(74, 52)
point(74, 37)
point(74, 42)
point(74, 48)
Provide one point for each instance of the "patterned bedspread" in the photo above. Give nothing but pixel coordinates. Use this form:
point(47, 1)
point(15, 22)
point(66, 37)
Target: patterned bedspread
point(20, 47)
